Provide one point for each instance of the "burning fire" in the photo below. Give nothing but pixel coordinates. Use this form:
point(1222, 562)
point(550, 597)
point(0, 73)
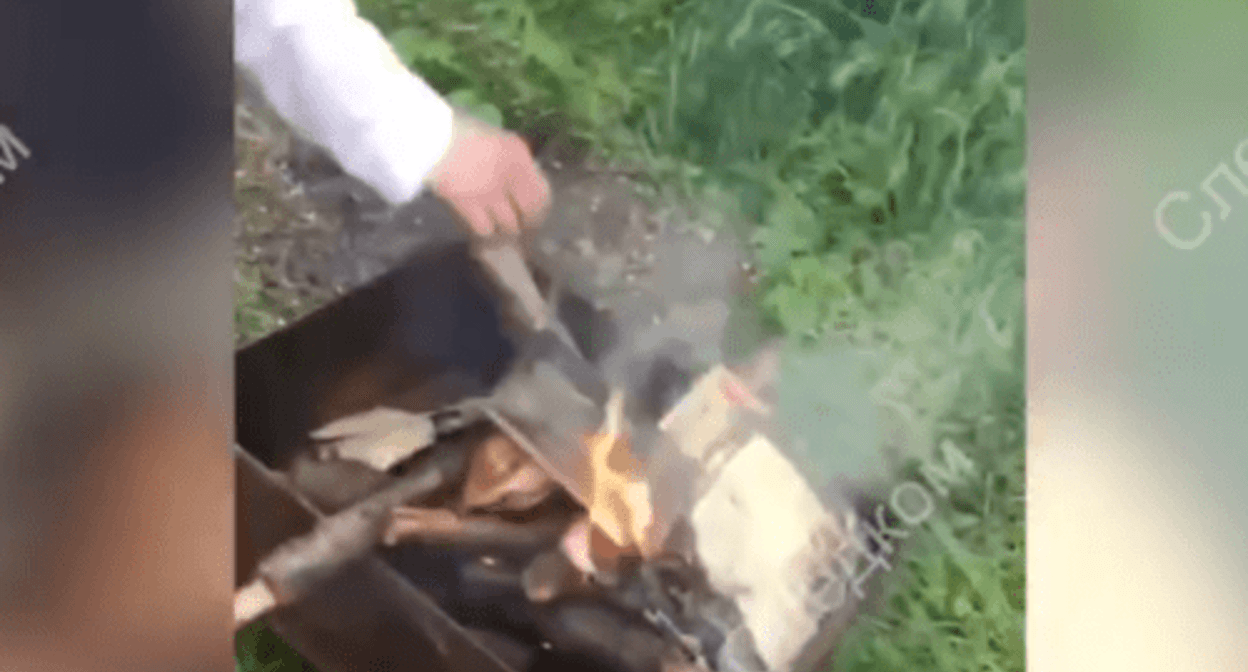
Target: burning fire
point(620, 513)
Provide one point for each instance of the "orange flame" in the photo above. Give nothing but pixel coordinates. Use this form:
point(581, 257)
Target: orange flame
point(619, 501)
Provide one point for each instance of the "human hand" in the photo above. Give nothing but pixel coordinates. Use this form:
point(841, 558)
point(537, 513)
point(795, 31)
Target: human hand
point(490, 179)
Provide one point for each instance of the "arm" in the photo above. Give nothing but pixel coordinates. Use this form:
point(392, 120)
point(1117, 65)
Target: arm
point(335, 79)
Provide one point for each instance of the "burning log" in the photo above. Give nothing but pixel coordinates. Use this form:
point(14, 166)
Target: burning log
point(444, 527)
point(724, 583)
point(503, 477)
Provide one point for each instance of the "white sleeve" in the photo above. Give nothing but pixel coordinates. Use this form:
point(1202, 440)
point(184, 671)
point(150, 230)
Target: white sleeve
point(335, 80)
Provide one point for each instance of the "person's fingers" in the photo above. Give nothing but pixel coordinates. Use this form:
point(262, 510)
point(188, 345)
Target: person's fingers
point(494, 184)
point(529, 188)
point(523, 219)
point(504, 216)
point(531, 194)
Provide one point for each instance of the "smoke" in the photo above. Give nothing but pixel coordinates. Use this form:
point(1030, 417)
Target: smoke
point(671, 281)
point(674, 329)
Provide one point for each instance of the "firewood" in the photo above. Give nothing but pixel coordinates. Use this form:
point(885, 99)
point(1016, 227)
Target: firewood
point(445, 527)
point(300, 564)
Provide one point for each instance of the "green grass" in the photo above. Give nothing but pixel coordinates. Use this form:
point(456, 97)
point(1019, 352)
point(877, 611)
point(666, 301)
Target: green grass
point(876, 148)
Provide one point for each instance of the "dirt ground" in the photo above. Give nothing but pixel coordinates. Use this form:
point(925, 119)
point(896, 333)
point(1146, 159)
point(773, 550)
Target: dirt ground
point(306, 233)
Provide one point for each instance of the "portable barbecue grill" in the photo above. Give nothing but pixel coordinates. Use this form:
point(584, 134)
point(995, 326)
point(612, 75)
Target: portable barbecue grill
point(421, 338)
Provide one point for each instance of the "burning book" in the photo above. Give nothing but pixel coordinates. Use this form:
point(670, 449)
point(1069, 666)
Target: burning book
point(730, 573)
point(548, 521)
